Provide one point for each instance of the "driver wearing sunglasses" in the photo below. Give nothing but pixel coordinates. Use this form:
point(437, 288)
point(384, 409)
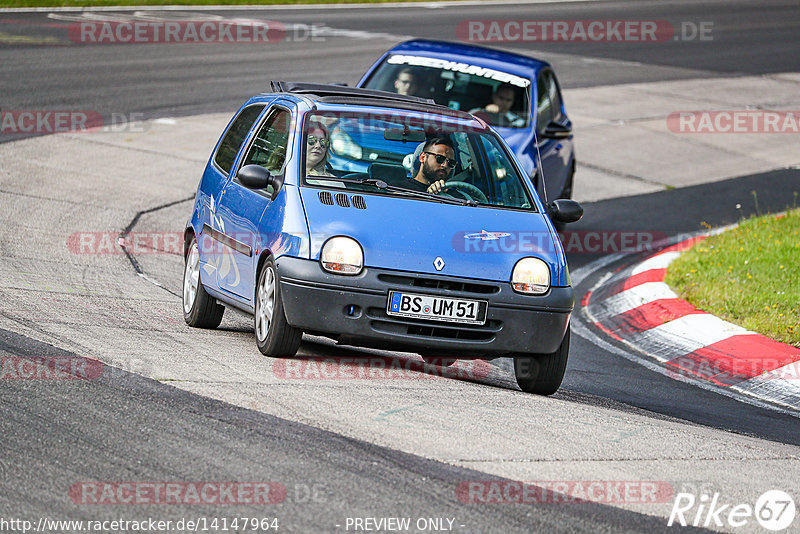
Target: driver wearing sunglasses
point(317, 150)
point(437, 162)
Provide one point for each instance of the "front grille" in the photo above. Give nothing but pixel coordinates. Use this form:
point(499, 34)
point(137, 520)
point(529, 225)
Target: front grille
point(388, 324)
point(435, 283)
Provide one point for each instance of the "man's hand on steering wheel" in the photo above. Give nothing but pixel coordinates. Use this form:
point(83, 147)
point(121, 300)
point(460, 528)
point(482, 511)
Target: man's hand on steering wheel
point(436, 187)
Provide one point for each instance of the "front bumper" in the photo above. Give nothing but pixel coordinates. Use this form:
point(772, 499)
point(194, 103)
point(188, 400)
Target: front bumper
point(353, 309)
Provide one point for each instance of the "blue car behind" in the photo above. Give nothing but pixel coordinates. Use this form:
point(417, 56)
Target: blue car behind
point(284, 231)
point(463, 76)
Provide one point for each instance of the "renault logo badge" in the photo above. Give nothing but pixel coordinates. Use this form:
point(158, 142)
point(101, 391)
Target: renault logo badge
point(438, 263)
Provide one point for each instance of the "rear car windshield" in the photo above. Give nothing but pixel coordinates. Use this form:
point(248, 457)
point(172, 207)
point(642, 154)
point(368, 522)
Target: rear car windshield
point(457, 85)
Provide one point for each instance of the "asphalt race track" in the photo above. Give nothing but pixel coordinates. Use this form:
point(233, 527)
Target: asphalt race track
point(174, 405)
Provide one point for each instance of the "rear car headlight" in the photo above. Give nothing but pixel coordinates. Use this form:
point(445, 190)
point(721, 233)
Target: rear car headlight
point(342, 255)
point(531, 276)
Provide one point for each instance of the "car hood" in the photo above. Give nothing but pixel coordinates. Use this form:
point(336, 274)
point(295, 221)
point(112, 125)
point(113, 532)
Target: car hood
point(409, 234)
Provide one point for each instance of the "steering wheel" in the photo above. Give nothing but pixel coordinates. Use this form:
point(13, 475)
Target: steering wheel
point(468, 191)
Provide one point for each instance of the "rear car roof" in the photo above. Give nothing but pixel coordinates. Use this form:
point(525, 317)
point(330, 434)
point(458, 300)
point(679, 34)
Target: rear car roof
point(481, 55)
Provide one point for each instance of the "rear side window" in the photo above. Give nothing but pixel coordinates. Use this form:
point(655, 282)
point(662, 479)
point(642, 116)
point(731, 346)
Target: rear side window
point(234, 137)
point(549, 100)
point(269, 146)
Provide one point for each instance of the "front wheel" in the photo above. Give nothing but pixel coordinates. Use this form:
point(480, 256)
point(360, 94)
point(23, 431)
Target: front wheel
point(274, 335)
point(542, 373)
point(200, 309)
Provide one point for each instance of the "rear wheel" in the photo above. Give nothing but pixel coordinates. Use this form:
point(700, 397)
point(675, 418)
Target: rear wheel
point(542, 373)
point(200, 309)
point(274, 335)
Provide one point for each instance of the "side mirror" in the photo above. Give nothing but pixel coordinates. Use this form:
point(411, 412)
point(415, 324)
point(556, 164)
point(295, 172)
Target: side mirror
point(255, 177)
point(565, 211)
point(556, 130)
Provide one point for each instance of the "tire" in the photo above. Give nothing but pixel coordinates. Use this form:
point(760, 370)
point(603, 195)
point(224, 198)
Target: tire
point(200, 309)
point(274, 335)
point(542, 373)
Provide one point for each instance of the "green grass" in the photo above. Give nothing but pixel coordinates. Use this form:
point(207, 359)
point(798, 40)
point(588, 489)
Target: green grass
point(94, 3)
point(749, 276)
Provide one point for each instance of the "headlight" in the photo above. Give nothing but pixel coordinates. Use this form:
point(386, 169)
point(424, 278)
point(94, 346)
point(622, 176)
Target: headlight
point(531, 276)
point(342, 255)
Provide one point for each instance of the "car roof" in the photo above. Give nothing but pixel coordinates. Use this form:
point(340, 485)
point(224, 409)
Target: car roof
point(480, 55)
point(340, 94)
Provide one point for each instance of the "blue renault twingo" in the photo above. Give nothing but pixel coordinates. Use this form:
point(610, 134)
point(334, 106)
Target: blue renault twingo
point(434, 242)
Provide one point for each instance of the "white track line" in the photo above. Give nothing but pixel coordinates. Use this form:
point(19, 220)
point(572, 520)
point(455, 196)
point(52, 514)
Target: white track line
point(659, 261)
point(634, 297)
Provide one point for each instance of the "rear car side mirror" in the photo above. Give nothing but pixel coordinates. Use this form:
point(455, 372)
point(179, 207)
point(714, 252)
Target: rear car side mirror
point(557, 130)
point(565, 211)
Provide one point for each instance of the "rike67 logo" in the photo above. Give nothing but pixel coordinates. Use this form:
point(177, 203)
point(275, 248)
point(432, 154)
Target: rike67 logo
point(774, 510)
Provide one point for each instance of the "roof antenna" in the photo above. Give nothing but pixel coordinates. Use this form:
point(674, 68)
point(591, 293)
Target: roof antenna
point(539, 167)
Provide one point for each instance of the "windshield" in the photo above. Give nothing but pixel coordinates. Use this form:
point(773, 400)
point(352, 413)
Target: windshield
point(407, 154)
point(499, 98)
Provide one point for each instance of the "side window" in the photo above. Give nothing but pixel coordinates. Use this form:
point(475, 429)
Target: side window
point(555, 97)
point(234, 137)
point(544, 106)
point(548, 105)
point(269, 146)
point(507, 189)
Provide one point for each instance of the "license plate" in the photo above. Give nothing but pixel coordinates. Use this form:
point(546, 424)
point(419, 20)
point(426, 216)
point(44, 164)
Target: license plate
point(436, 308)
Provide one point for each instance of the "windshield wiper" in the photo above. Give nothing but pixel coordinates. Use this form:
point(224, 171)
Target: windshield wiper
point(380, 184)
point(439, 198)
